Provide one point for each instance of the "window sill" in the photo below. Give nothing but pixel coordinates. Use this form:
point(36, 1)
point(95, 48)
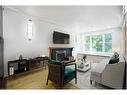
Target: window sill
point(97, 54)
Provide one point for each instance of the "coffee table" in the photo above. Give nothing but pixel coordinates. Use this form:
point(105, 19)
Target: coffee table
point(86, 67)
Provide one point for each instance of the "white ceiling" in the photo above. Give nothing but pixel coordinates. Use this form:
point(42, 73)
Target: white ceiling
point(84, 18)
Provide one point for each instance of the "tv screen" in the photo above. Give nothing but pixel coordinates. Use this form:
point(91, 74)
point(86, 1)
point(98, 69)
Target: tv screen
point(60, 38)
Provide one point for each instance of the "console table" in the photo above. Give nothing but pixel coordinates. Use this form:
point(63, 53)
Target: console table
point(24, 65)
point(38, 62)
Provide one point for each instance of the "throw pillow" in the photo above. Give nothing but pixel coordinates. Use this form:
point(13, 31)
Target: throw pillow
point(114, 58)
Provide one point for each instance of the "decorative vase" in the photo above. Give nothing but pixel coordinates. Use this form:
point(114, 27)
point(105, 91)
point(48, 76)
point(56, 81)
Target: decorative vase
point(20, 57)
point(81, 65)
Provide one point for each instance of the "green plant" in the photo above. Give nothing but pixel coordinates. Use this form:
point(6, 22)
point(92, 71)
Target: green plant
point(84, 57)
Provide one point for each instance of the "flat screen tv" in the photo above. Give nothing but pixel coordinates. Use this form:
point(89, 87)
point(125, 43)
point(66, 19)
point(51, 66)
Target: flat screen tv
point(60, 38)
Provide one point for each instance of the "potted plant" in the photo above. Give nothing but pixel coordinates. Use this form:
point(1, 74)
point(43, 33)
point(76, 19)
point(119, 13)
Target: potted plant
point(84, 59)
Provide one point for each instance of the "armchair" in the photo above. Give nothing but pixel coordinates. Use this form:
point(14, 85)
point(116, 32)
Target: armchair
point(61, 73)
point(111, 75)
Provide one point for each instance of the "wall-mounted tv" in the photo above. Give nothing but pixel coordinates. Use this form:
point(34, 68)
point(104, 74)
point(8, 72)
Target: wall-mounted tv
point(60, 38)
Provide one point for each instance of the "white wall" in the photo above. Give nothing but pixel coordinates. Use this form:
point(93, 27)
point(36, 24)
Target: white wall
point(15, 37)
point(117, 40)
point(15, 34)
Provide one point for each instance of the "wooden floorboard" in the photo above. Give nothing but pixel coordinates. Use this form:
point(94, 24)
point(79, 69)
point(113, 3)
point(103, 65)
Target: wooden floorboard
point(34, 80)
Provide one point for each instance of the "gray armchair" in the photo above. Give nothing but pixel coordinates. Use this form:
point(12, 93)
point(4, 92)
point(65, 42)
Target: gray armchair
point(111, 75)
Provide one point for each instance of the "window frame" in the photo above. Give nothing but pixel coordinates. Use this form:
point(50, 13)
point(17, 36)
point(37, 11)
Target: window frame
point(103, 43)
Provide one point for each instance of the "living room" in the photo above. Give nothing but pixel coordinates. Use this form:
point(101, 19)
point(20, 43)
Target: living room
point(88, 35)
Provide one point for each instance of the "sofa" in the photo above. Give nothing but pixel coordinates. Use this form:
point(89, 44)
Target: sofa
point(110, 75)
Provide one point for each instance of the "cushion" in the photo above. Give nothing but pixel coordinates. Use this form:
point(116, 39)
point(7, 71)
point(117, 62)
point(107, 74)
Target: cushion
point(68, 74)
point(98, 69)
point(96, 73)
point(114, 58)
point(68, 71)
point(54, 62)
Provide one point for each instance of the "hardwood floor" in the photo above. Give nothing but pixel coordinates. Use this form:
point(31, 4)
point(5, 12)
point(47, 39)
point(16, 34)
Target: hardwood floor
point(34, 80)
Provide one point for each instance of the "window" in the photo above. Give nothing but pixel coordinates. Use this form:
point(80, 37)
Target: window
point(87, 45)
point(98, 43)
point(108, 43)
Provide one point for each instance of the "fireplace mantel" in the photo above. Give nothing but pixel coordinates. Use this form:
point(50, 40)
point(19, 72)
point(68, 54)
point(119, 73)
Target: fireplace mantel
point(53, 52)
point(59, 47)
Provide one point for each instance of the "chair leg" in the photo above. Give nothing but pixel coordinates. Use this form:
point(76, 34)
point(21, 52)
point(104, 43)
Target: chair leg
point(75, 75)
point(61, 86)
point(47, 82)
point(47, 79)
point(91, 82)
point(76, 80)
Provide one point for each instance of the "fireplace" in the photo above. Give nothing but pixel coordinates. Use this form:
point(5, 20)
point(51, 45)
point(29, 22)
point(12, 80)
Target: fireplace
point(60, 54)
